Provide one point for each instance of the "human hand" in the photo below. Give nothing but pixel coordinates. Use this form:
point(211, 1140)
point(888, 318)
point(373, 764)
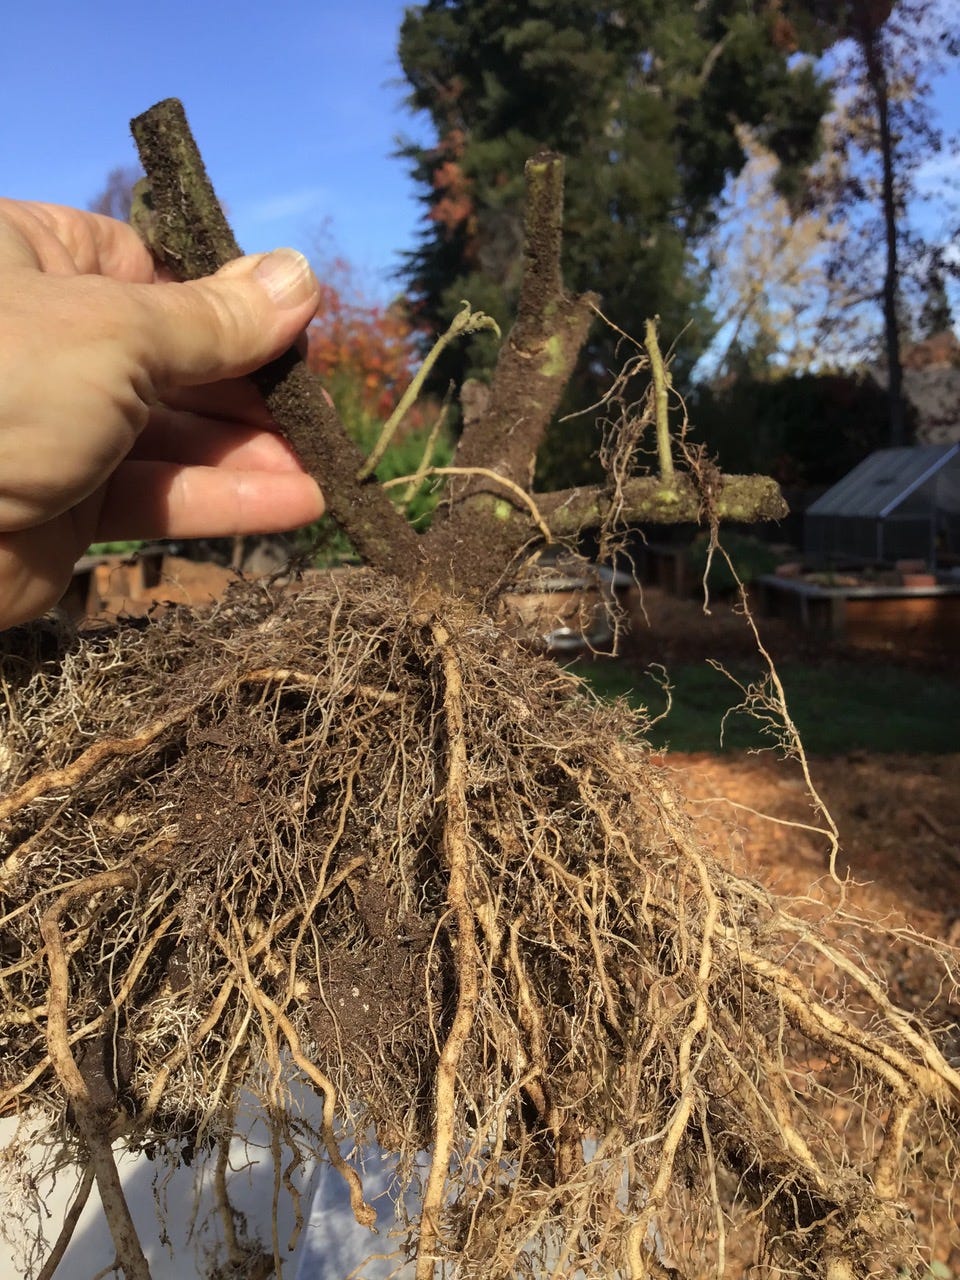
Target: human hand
point(124, 412)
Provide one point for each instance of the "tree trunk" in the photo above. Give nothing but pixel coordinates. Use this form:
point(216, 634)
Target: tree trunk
point(876, 72)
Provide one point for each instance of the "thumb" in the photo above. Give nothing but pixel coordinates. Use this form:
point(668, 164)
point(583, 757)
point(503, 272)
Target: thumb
point(226, 324)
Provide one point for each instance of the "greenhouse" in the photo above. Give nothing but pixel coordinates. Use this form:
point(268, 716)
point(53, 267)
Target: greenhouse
point(897, 504)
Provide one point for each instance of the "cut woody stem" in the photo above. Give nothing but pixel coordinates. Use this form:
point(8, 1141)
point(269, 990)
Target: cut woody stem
point(178, 215)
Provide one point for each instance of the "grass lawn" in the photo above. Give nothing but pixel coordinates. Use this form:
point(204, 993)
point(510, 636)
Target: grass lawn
point(838, 707)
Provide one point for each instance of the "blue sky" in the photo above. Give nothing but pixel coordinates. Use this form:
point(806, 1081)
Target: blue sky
point(296, 107)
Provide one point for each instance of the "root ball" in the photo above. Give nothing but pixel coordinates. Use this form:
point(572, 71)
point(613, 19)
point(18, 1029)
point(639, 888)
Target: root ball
point(362, 839)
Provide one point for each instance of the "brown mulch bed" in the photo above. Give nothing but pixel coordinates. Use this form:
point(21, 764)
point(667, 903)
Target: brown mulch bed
point(675, 629)
point(899, 823)
point(898, 815)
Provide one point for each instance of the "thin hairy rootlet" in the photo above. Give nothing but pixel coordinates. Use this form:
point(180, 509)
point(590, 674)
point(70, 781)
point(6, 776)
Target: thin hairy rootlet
point(365, 841)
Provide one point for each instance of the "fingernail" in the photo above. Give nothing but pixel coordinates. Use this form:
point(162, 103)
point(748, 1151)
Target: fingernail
point(286, 276)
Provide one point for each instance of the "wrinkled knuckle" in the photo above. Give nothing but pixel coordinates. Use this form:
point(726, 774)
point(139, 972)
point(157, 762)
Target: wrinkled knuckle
point(227, 324)
point(234, 323)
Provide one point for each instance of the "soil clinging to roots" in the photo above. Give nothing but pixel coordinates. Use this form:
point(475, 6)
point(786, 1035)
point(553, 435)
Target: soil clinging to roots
point(364, 840)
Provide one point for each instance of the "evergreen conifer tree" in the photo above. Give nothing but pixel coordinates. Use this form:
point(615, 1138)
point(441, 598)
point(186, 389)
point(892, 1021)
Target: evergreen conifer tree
point(643, 99)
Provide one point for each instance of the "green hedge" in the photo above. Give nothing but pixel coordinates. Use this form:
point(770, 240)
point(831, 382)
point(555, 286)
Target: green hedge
point(806, 429)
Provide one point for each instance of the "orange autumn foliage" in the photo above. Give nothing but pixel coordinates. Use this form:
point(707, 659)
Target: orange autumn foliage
point(454, 205)
point(367, 347)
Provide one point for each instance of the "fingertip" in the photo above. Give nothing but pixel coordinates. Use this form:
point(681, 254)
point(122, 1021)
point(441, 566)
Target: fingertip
point(288, 279)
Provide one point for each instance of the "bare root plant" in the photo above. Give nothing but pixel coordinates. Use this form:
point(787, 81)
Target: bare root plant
point(354, 837)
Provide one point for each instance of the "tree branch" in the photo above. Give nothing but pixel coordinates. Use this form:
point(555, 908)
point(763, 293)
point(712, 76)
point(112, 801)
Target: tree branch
point(532, 371)
point(542, 348)
point(178, 215)
point(646, 499)
point(661, 383)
